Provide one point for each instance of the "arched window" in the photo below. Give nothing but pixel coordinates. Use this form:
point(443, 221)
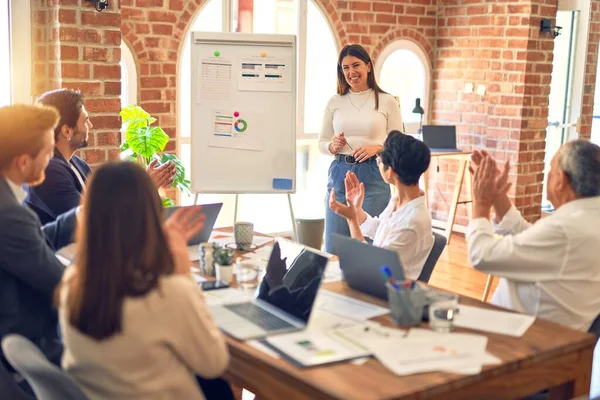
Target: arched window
point(128, 77)
point(273, 16)
point(5, 63)
point(403, 70)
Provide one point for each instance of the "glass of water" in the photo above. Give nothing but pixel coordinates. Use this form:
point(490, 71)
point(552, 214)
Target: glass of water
point(248, 273)
point(442, 310)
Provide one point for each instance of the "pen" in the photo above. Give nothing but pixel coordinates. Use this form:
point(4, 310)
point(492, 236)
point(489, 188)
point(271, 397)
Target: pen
point(387, 275)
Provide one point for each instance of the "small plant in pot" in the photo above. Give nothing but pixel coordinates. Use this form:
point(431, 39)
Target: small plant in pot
point(223, 258)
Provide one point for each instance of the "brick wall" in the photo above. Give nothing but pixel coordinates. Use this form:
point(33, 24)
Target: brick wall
point(79, 48)
point(498, 44)
point(486, 42)
point(45, 46)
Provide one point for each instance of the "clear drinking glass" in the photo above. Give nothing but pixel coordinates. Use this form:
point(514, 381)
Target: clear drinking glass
point(248, 273)
point(442, 309)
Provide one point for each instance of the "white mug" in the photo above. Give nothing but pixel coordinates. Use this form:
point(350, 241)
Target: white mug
point(243, 233)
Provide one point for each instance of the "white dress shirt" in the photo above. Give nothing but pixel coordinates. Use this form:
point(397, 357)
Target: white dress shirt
point(407, 231)
point(550, 269)
point(354, 114)
point(17, 190)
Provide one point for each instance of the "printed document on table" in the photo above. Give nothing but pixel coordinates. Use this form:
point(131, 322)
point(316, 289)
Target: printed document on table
point(348, 307)
point(313, 347)
point(215, 79)
point(502, 322)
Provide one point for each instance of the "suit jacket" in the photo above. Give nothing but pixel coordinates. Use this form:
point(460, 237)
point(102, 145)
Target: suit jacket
point(29, 271)
point(60, 191)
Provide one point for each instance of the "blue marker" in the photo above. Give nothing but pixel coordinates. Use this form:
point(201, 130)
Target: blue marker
point(387, 275)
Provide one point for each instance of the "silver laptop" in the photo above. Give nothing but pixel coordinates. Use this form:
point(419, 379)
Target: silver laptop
point(283, 301)
point(361, 264)
point(211, 212)
point(440, 138)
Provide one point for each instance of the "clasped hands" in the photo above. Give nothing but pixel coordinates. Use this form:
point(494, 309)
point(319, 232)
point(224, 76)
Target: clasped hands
point(163, 175)
point(361, 154)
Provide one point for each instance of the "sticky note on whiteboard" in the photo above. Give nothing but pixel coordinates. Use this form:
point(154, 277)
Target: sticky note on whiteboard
point(282, 184)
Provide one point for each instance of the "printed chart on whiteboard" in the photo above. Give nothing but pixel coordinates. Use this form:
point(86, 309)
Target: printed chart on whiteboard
point(214, 79)
point(265, 73)
point(236, 130)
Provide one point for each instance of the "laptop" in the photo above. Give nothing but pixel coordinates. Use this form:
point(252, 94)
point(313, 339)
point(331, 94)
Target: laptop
point(287, 306)
point(211, 212)
point(361, 264)
point(440, 138)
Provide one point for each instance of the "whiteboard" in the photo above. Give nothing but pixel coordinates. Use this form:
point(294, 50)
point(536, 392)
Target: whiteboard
point(243, 108)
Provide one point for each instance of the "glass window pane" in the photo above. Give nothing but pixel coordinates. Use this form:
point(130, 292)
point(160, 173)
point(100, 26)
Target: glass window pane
point(396, 67)
point(264, 16)
point(209, 20)
point(5, 68)
point(321, 67)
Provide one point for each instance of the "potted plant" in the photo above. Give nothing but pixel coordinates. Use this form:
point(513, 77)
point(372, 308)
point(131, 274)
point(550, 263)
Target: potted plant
point(143, 142)
point(223, 258)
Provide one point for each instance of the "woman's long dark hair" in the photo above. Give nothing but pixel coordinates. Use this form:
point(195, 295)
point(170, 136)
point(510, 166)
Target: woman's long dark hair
point(356, 50)
point(121, 248)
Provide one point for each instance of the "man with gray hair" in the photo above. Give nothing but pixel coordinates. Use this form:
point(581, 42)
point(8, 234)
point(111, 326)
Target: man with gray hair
point(550, 269)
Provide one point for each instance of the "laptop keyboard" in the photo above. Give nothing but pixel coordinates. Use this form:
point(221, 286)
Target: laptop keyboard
point(258, 316)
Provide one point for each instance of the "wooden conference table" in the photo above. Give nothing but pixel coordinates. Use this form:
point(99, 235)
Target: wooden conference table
point(547, 356)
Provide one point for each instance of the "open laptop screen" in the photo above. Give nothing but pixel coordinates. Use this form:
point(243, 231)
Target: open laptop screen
point(292, 278)
point(210, 211)
point(439, 136)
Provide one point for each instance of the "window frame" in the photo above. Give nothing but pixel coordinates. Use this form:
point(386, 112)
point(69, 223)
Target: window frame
point(131, 75)
point(410, 45)
point(20, 32)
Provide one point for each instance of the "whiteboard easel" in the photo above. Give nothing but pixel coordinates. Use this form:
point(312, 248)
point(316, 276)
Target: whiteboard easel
point(243, 108)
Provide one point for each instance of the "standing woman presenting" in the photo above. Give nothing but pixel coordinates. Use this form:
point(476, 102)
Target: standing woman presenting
point(355, 125)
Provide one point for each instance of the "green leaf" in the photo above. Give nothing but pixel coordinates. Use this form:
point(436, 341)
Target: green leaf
point(147, 141)
point(124, 146)
point(168, 202)
point(131, 113)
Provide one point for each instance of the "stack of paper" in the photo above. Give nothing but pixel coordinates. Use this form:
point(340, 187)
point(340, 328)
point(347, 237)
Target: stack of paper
point(426, 351)
point(483, 319)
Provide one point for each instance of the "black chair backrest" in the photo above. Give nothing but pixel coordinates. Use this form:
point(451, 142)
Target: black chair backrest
point(439, 243)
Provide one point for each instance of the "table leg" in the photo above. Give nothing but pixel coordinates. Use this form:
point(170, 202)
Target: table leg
point(488, 287)
point(468, 183)
point(426, 186)
point(460, 176)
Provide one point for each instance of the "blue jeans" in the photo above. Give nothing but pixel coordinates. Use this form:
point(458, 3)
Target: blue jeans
point(377, 194)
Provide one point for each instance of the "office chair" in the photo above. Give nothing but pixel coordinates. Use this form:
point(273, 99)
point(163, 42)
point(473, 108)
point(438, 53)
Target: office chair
point(9, 387)
point(47, 380)
point(439, 243)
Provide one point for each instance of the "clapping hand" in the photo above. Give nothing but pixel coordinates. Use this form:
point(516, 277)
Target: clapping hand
point(355, 190)
point(489, 183)
point(162, 176)
point(184, 224)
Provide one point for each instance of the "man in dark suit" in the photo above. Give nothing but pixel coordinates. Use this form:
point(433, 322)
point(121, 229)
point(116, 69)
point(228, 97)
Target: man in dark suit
point(66, 173)
point(29, 270)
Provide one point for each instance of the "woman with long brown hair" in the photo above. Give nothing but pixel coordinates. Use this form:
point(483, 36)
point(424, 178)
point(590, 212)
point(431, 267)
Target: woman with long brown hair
point(134, 321)
point(356, 123)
